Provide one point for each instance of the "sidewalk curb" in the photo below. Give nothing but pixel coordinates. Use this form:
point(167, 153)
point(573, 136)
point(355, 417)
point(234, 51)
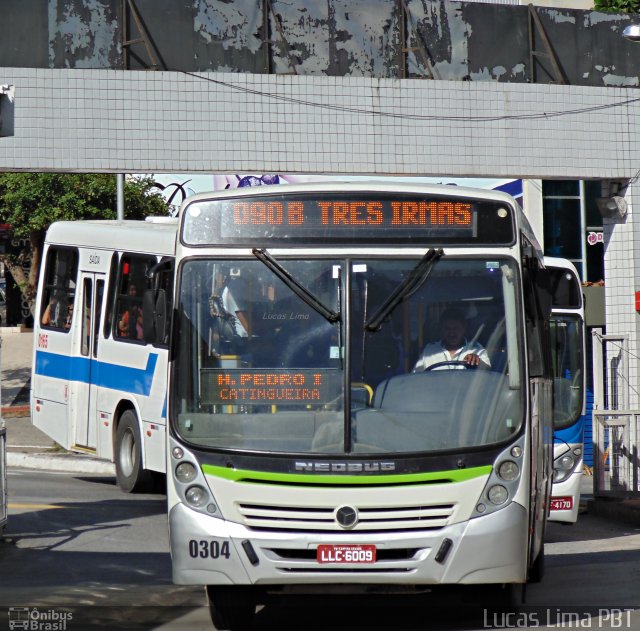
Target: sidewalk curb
point(15, 411)
point(72, 463)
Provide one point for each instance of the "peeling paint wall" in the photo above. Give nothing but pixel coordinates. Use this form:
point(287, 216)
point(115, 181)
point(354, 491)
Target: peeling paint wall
point(459, 41)
point(83, 34)
point(228, 37)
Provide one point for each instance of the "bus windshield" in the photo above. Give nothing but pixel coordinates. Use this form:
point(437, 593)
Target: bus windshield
point(568, 378)
point(258, 368)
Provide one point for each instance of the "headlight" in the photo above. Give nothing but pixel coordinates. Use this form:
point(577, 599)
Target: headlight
point(186, 472)
point(503, 483)
point(566, 462)
point(560, 476)
point(196, 496)
point(190, 483)
point(564, 465)
point(177, 453)
point(498, 494)
point(509, 471)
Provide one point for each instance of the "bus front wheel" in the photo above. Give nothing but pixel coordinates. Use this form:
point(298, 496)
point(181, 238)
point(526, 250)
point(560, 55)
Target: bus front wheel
point(232, 607)
point(130, 475)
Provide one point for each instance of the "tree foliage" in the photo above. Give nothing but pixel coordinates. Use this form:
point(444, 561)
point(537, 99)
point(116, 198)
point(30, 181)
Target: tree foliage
point(617, 6)
point(31, 202)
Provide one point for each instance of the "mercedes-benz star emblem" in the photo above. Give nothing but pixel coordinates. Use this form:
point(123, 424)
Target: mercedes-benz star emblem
point(347, 516)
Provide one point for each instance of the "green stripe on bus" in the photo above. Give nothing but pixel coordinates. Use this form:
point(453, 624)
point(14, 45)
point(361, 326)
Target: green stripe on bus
point(246, 475)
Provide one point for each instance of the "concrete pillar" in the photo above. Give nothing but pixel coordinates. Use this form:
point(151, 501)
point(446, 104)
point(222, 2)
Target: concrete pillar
point(622, 280)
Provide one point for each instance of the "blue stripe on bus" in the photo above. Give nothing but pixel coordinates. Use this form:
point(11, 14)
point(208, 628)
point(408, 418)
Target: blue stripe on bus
point(85, 370)
point(572, 434)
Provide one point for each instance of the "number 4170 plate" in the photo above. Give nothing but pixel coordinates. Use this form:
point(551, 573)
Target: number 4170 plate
point(346, 553)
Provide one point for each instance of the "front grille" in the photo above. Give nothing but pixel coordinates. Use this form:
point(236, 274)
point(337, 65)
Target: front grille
point(322, 518)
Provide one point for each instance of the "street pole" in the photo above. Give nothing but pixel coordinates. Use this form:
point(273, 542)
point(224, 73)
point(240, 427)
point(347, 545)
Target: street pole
point(120, 196)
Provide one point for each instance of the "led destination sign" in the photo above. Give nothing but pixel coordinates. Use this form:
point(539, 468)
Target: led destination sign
point(235, 386)
point(346, 218)
point(335, 214)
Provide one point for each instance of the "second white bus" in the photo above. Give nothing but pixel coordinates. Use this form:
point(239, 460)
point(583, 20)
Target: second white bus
point(568, 363)
point(97, 387)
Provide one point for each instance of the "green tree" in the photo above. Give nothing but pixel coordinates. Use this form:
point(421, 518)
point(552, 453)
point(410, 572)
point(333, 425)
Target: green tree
point(30, 202)
point(617, 6)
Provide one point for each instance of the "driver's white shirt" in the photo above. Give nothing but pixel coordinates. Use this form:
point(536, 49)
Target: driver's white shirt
point(435, 352)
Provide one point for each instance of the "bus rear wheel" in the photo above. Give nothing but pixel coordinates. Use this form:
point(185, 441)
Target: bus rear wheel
point(232, 607)
point(130, 475)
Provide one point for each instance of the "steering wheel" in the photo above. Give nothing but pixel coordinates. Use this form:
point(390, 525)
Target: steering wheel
point(453, 362)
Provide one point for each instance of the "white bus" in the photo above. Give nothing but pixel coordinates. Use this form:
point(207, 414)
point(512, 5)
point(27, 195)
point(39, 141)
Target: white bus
point(97, 387)
point(311, 443)
point(568, 363)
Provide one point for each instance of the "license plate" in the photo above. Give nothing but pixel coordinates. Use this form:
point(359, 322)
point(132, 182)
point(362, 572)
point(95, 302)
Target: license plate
point(349, 553)
point(561, 503)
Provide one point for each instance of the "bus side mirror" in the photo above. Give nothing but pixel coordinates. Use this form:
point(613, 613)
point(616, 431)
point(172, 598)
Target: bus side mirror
point(154, 316)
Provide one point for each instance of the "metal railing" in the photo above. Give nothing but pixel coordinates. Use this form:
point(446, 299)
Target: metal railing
point(615, 460)
point(616, 421)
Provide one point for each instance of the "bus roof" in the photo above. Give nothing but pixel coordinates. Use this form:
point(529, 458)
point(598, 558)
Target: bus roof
point(379, 186)
point(137, 236)
point(360, 186)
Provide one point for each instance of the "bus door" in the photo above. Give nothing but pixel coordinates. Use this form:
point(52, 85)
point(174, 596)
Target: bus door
point(91, 295)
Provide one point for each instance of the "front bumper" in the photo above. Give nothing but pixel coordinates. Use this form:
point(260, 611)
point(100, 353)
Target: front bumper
point(209, 551)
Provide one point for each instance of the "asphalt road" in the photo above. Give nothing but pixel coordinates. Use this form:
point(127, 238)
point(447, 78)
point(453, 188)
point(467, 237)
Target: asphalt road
point(76, 545)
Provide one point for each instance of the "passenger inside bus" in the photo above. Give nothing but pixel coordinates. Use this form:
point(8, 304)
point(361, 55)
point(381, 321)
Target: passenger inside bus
point(52, 315)
point(453, 350)
point(69, 316)
point(130, 323)
point(235, 300)
point(228, 320)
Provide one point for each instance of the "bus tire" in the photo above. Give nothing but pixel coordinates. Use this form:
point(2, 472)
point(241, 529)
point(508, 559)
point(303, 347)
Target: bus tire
point(130, 475)
point(232, 607)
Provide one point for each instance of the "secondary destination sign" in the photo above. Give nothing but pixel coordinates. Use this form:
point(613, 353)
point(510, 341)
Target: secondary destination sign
point(347, 218)
point(237, 386)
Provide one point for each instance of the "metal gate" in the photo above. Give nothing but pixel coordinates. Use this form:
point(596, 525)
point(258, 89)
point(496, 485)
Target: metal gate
point(615, 424)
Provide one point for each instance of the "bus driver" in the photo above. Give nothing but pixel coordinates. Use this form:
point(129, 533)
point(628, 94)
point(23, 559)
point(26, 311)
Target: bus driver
point(453, 346)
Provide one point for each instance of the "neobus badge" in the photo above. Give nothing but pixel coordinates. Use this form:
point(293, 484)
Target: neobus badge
point(345, 467)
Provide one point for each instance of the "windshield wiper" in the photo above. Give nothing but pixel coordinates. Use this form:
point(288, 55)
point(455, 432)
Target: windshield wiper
point(411, 283)
point(300, 290)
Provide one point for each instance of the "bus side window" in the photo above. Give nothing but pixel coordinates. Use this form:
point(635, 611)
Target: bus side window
point(59, 288)
point(132, 282)
point(87, 297)
point(98, 311)
point(166, 283)
point(111, 295)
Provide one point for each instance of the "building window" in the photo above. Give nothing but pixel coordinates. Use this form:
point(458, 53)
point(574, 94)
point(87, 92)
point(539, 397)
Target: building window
point(573, 225)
